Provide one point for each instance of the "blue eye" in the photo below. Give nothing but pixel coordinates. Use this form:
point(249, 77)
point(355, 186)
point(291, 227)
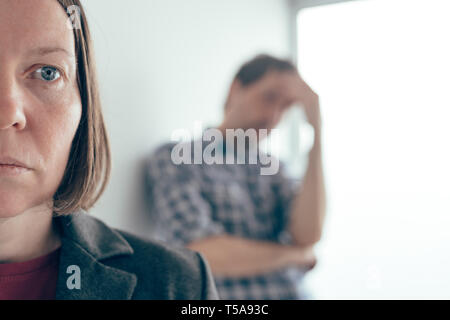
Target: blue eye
point(49, 73)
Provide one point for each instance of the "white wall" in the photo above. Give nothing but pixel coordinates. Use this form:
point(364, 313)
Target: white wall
point(164, 64)
point(385, 109)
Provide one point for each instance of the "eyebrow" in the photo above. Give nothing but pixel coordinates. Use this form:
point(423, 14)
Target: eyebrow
point(42, 51)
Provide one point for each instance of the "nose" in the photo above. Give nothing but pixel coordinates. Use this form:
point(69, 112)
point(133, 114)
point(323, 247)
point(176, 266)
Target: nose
point(12, 115)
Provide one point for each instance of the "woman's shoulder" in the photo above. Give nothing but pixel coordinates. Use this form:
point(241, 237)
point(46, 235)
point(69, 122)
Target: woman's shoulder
point(162, 271)
point(180, 272)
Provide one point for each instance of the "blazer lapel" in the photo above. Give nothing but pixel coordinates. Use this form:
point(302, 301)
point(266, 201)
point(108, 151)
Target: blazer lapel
point(85, 242)
point(96, 280)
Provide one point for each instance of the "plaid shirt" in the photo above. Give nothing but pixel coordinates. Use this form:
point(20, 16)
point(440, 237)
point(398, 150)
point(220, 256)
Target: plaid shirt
point(194, 201)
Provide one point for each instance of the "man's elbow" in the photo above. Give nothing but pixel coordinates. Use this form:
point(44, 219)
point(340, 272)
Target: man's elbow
point(310, 239)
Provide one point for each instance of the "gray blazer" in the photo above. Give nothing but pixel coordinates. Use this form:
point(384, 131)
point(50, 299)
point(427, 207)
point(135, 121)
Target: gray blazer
point(97, 262)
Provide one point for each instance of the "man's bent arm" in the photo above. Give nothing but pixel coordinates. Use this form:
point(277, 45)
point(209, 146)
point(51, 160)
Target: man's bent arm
point(238, 257)
point(309, 206)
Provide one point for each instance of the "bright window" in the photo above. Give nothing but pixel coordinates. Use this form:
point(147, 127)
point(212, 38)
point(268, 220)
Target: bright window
point(382, 70)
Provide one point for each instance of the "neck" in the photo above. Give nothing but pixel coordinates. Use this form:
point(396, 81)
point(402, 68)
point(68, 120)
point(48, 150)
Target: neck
point(28, 235)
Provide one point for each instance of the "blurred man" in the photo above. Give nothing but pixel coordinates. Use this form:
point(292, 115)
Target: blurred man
point(257, 231)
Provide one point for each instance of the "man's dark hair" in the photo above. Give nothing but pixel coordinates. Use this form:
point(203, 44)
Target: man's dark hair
point(257, 67)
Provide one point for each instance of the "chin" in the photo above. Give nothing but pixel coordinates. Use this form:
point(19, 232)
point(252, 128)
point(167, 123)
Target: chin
point(9, 212)
point(12, 205)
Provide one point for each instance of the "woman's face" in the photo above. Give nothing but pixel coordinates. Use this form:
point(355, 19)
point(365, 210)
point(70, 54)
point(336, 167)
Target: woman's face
point(40, 106)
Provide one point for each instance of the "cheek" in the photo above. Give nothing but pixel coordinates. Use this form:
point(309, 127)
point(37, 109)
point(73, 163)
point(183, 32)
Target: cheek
point(265, 111)
point(53, 129)
point(46, 142)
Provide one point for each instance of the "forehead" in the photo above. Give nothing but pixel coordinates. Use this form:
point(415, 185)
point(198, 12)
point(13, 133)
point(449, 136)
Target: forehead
point(26, 24)
point(274, 80)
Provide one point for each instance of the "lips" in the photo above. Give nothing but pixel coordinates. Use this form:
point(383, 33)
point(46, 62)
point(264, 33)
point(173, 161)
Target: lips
point(12, 163)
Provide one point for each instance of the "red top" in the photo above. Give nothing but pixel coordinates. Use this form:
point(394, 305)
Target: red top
point(30, 280)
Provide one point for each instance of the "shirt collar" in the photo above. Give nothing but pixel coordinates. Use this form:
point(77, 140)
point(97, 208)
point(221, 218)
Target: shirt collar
point(221, 145)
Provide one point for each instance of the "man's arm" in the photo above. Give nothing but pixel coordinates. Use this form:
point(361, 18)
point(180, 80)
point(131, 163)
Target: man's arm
point(309, 206)
point(237, 257)
point(176, 196)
